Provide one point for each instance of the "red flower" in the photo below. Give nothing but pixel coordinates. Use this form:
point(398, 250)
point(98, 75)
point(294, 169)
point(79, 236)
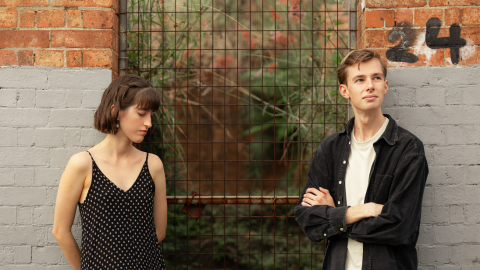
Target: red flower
point(295, 13)
point(223, 62)
point(275, 16)
point(278, 37)
point(248, 36)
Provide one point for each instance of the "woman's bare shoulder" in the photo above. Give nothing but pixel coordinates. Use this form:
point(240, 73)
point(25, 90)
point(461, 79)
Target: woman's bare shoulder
point(80, 162)
point(155, 165)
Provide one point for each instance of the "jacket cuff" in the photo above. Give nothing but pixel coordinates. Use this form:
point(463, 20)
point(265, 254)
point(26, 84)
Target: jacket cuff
point(337, 220)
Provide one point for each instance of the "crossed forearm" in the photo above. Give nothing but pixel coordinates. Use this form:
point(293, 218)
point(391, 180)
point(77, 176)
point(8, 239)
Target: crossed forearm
point(353, 214)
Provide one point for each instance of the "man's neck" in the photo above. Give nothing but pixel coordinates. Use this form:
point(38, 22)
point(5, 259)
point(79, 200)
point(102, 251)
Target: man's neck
point(367, 125)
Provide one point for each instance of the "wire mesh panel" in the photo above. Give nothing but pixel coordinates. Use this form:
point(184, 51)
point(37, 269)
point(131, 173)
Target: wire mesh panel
point(249, 91)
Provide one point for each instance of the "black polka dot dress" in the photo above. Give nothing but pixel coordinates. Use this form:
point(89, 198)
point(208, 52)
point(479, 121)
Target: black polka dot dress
point(118, 229)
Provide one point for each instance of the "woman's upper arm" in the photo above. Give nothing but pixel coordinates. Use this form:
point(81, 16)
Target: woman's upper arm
point(69, 191)
point(160, 200)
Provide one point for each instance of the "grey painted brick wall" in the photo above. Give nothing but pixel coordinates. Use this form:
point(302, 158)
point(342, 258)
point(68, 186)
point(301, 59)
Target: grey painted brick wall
point(46, 115)
point(442, 107)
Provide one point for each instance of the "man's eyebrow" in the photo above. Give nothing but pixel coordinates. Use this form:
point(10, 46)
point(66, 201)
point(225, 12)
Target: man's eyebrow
point(377, 74)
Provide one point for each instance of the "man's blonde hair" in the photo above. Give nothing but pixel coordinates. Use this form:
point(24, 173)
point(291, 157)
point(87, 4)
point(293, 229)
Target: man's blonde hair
point(357, 57)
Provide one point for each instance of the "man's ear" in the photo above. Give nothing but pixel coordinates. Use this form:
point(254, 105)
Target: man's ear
point(344, 91)
point(386, 87)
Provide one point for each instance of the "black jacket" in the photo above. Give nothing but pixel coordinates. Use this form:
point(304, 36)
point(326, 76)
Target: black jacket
point(397, 180)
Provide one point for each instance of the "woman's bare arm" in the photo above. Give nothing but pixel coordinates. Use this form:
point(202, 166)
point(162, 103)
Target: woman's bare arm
point(160, 199)
point(69, 190)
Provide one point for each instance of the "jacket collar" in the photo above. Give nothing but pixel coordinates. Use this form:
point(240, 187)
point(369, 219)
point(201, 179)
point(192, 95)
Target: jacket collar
point(390, 135)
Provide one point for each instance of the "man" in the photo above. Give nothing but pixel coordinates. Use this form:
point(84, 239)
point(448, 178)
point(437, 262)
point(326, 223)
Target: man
point(365, 184)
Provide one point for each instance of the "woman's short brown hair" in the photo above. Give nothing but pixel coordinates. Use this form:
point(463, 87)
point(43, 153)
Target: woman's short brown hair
point(357, 57)
point(123, 92)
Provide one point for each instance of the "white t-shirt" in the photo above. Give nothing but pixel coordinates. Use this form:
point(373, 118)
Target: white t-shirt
point(360, 162)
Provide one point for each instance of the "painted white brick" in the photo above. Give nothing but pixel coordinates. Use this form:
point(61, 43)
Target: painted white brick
point(454, 96)
point(23, 196)
point(6, 176)
point(457, 214)
point(471, 95)
point(91, 137)
point(8, 97)
point(6, 255)
point(43, 215)
point(91, 99)
point(25, 136)
point(8, 215)
point(50, 99)
point(48, 176)
point(61, 156)
point(450, 234)
point(454, 134)
point(48, 255)
point(73, 99)
point(8, 136)
point(79, 79)
point(15, 117)
point(446, 195)
point(49, 137)
point(430, 96)
point(26, 98)
point(23, 254)
point(72, 118)
point(51, 195)
point(24, 176)
point(24, 156)
point(472, 212)
point(72, 137)
point(22, 235)
point(433, 255)
point(16, 77)
point(24, 216)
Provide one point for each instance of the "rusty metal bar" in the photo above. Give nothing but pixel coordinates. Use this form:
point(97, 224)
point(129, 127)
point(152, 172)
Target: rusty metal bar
point(233, 199)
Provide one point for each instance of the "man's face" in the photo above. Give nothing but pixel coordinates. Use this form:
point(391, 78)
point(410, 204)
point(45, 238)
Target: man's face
point(365, 87)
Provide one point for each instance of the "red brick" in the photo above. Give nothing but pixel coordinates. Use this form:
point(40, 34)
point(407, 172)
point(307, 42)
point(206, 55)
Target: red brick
point(74, 18)
point(84, 3)
point(395, 3)
point(74, 58)
point(23, 39)
point(8, 17)
point(8, 58)
point(98, 59)
point(423, 15)
point(437, 59)
point(84, 39)
point(443, 3)
point(470, 33)
point(472, 60)
point(49, 58)
point(452, 15)
point(27, 18)
point(376, 39)
point(404, 16)
point(100, 19)
point(379, 18)
point(24, 3)
point(50, 18)
point(471, 16)
point(25, 58)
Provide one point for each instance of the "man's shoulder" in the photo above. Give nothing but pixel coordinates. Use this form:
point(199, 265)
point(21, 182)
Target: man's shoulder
point(409, 142)
point(332, 141)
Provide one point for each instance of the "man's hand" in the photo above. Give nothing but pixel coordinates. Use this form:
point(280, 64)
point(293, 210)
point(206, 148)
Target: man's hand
point(319, 196)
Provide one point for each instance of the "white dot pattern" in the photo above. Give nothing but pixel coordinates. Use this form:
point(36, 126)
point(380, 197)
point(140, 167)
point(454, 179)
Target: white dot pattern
point(118, 229)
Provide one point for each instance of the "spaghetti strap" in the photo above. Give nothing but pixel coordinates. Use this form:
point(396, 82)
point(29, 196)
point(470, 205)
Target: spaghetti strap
point(89, 154)
point(147, 158)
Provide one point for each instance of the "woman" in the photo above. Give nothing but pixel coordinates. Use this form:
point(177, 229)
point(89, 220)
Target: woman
point(119, 189)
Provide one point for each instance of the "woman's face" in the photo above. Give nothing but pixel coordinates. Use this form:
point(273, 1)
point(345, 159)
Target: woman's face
point(134, 122)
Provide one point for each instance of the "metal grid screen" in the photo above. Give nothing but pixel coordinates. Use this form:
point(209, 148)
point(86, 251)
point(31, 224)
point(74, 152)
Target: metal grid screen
point(249, 91)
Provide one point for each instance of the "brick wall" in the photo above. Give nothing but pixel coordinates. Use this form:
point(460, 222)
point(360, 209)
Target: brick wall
point(44, 120)
point(441, 106)
point(59, 33)
point(398, 29)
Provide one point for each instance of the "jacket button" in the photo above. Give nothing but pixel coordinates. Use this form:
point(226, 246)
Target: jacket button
point(344, 162)
point(341, 229)
point(348, 142)
point(324, 234)
point(340, 182)
point(338, 202)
